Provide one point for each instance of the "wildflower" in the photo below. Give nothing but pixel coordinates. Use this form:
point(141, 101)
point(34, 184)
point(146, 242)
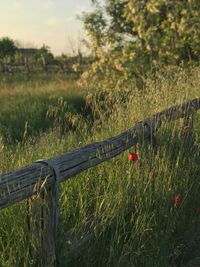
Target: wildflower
point(176, 201)
point(133, 156)
point(198, 210)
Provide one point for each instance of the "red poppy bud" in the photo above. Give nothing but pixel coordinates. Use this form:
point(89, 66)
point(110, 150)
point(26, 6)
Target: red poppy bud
point(133, 156)
point(152, 174)
point(176, 201)
point(187, 128)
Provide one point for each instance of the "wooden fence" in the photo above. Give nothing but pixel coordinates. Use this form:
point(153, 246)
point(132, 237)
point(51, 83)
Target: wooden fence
point(43, 177)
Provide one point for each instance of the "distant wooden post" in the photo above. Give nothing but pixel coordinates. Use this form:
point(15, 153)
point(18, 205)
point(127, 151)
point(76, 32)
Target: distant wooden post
point(151, 139)
point(187, 133)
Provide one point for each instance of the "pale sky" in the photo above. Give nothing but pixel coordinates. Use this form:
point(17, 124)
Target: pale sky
point(38, 22)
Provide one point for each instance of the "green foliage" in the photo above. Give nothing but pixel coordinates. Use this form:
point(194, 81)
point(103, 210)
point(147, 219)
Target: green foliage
point(31, 108)
point(166, 30)
point(129, 38)
point(7, 48)
point(44, 56)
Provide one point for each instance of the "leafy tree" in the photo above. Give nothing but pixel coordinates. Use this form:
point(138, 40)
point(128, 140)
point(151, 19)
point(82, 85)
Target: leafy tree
point(7, 48)
point(166, 30)
point(130, 37)
point(44, 56)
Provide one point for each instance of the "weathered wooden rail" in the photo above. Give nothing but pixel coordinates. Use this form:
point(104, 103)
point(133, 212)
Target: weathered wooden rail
point(31, 180)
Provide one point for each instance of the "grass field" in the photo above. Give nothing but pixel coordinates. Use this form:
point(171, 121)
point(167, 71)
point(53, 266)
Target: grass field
point(127, 207)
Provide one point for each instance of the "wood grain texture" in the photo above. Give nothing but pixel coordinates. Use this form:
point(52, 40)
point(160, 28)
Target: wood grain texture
point(28, 181)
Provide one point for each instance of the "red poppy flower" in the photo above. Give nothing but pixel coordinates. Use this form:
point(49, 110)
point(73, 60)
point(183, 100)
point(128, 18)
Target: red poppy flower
point(198, 210)
point(176, 201)
point(133, 156)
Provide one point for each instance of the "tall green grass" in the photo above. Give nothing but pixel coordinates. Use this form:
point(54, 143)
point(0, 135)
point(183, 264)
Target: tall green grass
point(27, 109)
point(126, 207)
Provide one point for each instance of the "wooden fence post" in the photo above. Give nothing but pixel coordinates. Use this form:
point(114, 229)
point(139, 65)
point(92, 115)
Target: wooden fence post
point(47, 250)
point(43, 216)
point(151, 140)
point(187, 134)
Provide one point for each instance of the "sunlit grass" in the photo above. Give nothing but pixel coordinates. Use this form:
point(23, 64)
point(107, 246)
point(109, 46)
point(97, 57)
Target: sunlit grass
point(24, 107)
point(126, 206)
